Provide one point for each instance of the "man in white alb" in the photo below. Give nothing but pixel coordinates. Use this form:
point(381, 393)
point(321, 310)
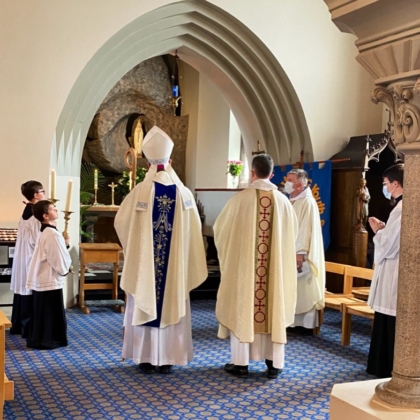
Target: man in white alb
point(255, 236)
point(310, 259)
point(164, 259)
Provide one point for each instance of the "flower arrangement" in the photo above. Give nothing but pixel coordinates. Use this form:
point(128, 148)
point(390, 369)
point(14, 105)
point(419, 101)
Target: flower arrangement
point(123, 186)
point(234, 167)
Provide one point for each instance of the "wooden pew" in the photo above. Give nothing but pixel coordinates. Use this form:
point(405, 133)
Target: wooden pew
point(334, 300)
point(359, 308)
point(6, 386)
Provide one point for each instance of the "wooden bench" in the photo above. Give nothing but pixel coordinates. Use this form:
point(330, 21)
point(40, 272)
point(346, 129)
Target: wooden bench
point(98, 253)
point(6, 386)
point(334, 300)
point(359, 307)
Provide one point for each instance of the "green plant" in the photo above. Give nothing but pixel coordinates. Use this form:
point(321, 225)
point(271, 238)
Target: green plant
point(123, 186)
point(234, 167)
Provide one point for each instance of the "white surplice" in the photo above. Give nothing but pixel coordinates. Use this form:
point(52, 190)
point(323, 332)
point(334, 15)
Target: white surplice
point(235, 238)
point(28, 232)
point(310, 287)
point(187, 269)
point(384, 287)
point(50, 262)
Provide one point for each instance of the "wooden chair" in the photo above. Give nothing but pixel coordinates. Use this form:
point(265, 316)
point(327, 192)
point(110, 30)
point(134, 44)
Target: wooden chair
point(358, 307)
point(6, 386)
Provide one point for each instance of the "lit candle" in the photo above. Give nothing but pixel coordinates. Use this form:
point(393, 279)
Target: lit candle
point(130, 181)
point(69, 193)
point(95, 179)
point(53, 184)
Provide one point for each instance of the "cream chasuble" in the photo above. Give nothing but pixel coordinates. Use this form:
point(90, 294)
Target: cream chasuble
point(255, 237)
point(187, 267)
point(310, 288)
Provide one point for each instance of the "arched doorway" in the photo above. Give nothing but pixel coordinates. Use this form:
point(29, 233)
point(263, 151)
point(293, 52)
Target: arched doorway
point(213, 42)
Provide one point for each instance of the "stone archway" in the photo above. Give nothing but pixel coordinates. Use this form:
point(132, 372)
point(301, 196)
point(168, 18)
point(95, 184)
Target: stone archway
point(215, 43)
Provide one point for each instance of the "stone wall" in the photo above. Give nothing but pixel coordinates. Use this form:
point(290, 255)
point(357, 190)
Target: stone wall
point(144, 91)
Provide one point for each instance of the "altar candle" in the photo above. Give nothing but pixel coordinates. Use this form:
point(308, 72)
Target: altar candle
point(53, 184)
point(69, 192)
point(95, 179)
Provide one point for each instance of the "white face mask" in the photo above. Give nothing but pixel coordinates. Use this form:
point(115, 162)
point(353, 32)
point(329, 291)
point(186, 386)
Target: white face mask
point(288, 187)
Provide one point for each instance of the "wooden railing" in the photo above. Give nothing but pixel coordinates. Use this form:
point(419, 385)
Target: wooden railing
point(6, 386)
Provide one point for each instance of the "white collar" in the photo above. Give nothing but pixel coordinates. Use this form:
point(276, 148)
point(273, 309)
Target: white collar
point(263, 184)
point(305, 193)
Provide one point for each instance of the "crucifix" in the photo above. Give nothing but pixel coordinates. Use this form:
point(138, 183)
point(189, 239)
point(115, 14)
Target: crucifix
point(112, 185)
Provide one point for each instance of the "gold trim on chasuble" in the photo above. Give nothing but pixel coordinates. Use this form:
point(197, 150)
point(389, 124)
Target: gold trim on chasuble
point(264, 224)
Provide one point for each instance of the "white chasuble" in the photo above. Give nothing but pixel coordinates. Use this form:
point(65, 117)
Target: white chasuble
point(310, 287)
point(255, 237)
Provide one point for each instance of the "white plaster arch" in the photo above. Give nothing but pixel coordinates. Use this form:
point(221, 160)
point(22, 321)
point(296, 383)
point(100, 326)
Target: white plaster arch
point(215, 43)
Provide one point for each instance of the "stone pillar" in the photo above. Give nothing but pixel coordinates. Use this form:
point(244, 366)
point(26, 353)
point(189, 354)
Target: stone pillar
point(404, 388)
point(388, 33)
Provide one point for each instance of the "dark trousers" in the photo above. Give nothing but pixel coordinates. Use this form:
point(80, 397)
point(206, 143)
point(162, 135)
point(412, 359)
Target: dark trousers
point(381, 352)
point(48, 328)
point(21, 314)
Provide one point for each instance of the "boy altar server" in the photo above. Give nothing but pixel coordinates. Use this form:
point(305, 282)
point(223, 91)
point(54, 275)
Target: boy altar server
point(164, 259)
point(255, 237)
point(50, 263)
point(28, 231)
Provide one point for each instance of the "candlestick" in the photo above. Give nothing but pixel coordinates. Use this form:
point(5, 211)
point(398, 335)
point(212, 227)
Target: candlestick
point(66, 223)
point(69, 195)
point(53, 179)
point(95, 179)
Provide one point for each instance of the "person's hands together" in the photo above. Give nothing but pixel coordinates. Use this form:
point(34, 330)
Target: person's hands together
point(376, 224)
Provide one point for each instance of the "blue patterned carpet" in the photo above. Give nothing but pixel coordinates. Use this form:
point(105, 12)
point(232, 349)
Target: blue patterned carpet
point(88, 379)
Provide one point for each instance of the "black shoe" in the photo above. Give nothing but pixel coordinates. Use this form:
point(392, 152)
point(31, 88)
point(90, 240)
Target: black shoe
point(147, 368)
point(302, 331)
point(235, 370)
point(272, 372)
point(165, 369)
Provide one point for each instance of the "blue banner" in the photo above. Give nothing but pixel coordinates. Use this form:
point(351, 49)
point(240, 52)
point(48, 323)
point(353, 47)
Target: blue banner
point(320, 183)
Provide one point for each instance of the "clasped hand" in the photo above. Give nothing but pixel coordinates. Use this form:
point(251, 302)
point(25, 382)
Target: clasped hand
point(376, 224)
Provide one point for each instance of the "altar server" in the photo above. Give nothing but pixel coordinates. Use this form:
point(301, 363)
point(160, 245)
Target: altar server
point(384, 288)
point(160, 230)
point(49, 265)
point(255, 237)
point(310, 259)
point(28, 231)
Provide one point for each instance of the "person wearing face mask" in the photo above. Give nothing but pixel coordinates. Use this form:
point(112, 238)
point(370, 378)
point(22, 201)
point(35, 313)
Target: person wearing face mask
point(383, 291)
point(310, 260)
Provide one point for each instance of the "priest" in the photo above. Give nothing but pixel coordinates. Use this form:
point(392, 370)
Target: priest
point(310, 259)
point(160, 230)
point(255, 237)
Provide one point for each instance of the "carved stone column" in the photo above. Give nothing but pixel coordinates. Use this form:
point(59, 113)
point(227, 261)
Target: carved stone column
point(404, 387)
point(388, 33)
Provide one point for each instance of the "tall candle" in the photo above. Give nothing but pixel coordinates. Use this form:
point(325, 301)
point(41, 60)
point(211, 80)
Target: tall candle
point(130, 180)
point(53, 184)
point(69, 192)
point(95, 179)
